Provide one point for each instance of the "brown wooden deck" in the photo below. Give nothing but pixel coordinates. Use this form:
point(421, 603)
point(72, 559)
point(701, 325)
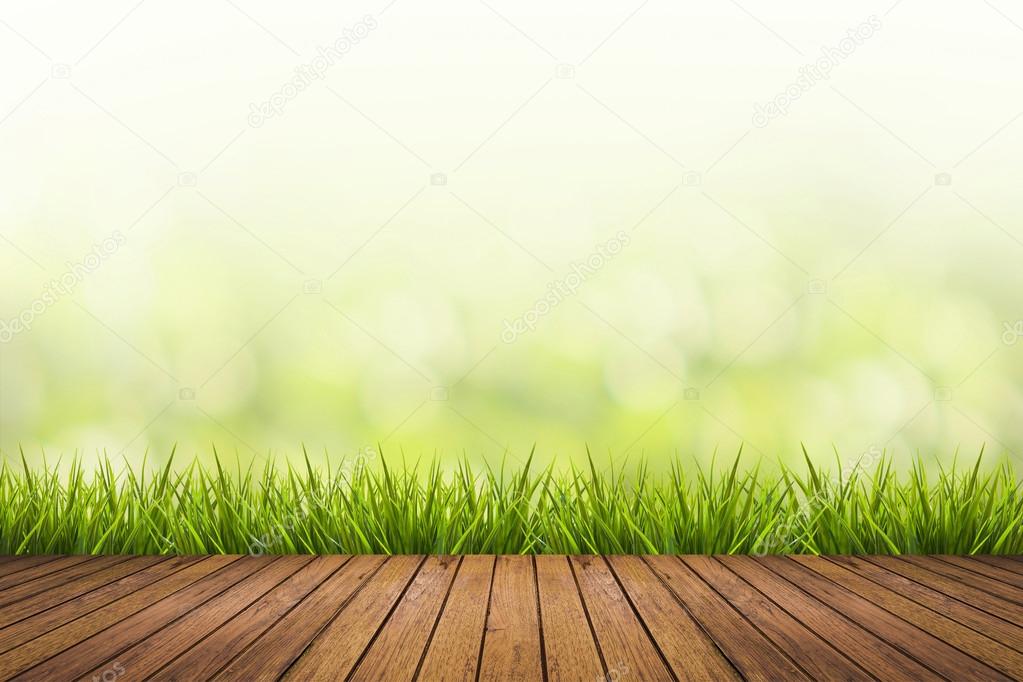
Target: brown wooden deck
point(510, 617)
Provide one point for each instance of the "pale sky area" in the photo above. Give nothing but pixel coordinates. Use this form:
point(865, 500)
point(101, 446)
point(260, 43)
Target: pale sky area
point(470, 227)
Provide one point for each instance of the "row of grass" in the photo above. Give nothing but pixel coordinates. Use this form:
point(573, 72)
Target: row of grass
point(348, 509)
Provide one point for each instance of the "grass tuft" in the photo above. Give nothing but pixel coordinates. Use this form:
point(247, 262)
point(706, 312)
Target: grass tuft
point(428, 509)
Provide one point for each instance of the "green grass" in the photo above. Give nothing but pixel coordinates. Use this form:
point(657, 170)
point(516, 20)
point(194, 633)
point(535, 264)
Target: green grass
point(428, 509)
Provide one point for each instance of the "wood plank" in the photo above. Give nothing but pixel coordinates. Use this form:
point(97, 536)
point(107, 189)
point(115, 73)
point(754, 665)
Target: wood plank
point(933, 652)
point(942, 583)
point(335, 652)
point(18, 563)
point(988, 570)
point(268, 657)
point(753, 655)
point(36, 625)
point(457, 643)
point(547, 617)
point(63, 577)
point(512, 649)
point(966, 639)
point(399, 646)
point(621, 635)
point(981, 621)
point(211, 654)
point(875, 655)
point(40, 648)
point(689, 651)
point(162, 646)
point(1003, 562)
point(989, 585)
point(78, 659)
point(31, 573)
point(571, 651)
point(52, 597)
point(812, 654)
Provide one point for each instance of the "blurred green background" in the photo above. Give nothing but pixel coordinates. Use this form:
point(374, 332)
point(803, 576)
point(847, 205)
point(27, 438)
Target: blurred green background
point(345, 273)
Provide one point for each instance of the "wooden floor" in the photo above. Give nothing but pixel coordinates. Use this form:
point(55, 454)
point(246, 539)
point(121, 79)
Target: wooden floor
point(510, 617)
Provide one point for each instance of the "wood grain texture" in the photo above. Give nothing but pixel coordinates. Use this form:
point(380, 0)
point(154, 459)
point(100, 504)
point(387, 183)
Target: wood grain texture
point(689, 651)
point(45, 646)
point(753, 655)
point(399, 646)
point(12, 564)
point(930, 650)
point(337, 649)
point(209, 656)
point(272, 654)
point(962, 612)
point(36, 571)
point(940, 582)
point(963, 638)
point(621, 635)
point(56, 579)
point(547, 618)
point(511, 643)
point(1011, 564)
point(78, 659)
point(158, 649)
point(459, 631)
point(811, 653)
point(875, 655)
point(25, 608)
point(997, 588)
point(570, 647)
point(984, 568)
point(24, 630)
